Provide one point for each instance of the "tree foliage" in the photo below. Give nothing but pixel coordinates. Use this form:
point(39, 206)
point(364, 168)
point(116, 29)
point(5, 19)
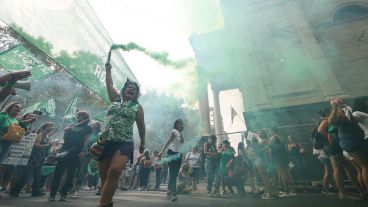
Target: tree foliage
point(160, 110)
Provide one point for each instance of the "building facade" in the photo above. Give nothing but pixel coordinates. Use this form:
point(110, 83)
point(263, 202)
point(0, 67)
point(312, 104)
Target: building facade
point(288, 58)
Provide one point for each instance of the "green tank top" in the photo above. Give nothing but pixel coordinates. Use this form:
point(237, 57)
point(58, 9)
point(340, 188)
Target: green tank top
point(226, 156)
point(119, 121)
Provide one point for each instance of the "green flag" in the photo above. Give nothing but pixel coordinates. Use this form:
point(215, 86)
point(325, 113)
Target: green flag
point(82, 51)
point(20, 58)
point(100, 116)
point(71, 110)
point(47, 107)
point(32, 108)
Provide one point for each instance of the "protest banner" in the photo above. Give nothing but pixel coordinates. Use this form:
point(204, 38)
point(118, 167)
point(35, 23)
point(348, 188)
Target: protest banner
point(20, 152)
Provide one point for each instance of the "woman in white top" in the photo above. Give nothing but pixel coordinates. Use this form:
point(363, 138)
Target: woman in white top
point(361, 114)
point(174, 143)
point(194, 159)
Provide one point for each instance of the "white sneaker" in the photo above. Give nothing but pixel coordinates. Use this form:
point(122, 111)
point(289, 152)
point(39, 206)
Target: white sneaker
point(173, 197)
point(86, 188)
point(267, 196)
point(292, 194)
point(75, 195)
point(325, 192)
point(284, 195)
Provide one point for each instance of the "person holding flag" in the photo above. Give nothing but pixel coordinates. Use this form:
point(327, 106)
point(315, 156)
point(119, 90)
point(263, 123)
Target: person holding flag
point(9, 80)
point(68, 159)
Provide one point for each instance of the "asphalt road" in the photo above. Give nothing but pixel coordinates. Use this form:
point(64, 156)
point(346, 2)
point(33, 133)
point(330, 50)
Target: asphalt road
point(198, 199)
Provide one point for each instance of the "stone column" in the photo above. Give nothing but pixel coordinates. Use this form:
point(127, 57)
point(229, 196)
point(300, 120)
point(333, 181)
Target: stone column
point(219, 128)
point(204, 110)
point(327, 79)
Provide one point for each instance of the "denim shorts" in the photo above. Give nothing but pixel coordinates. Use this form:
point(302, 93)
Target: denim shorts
point(125, 148)
point(351, 144)
point(325, 161)
point(332, 149)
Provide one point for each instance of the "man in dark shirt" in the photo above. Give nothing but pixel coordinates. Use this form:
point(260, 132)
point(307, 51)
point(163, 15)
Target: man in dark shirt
point(68, 159)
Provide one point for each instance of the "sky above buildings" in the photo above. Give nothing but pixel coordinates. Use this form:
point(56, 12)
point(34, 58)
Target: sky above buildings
point(166, 25)
point(160, 25)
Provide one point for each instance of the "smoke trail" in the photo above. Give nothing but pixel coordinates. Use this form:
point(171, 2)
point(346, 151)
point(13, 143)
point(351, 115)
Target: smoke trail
point(189, 143)
point(169, 158)
point(161, 57)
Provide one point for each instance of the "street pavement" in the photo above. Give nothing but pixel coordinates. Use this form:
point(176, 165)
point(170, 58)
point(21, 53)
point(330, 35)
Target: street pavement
point(197, 199)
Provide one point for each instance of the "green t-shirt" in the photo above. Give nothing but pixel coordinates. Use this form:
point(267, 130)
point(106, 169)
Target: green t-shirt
point(5, 122)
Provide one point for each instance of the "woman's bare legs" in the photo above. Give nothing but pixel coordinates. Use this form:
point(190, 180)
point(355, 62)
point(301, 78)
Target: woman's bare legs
point(111, 177)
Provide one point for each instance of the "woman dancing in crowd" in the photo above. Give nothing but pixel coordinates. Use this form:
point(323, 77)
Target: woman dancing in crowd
point(118, 135)
point(174, 143)
point(350, 138)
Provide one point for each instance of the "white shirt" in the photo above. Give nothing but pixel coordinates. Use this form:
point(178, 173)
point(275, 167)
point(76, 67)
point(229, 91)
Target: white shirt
point(175, 144)
point(194, 159)
point(362, 119)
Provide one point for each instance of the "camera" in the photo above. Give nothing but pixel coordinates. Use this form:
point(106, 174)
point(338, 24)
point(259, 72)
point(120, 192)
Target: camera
point(37, 112)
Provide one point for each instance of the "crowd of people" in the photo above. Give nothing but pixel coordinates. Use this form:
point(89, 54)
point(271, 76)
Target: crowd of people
point(64, 167)
point(92, 156)
point(268, 163)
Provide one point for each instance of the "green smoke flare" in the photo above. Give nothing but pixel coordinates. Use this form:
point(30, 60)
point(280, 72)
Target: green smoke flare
point(169, 158)
point(161, 57)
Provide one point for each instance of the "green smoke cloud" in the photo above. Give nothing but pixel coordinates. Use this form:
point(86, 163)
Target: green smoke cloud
point(168, 159)
point(161, 57)
point(185, 148)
